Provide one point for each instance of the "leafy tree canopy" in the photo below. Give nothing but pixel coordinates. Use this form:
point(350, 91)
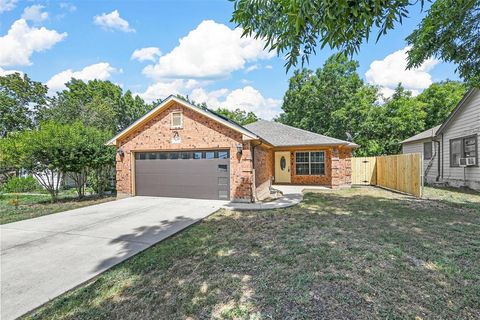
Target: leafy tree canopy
point(449, 31)
point(20, 101)
point(241, 117)
point(440, 99)
point(96, 103)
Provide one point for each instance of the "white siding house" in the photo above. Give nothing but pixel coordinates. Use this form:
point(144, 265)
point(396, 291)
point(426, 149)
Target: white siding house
point(457, 138)
point(423, 143)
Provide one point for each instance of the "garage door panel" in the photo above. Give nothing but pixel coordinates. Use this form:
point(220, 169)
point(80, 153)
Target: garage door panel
point(189, 178)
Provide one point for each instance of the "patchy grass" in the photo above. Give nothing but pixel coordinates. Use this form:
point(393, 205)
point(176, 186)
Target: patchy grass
point(36, 205)
point(351, 254)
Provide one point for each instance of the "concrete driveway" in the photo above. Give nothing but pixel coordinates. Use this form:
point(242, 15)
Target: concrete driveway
point(43, 257)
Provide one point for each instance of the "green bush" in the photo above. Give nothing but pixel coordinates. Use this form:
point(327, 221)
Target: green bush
point(21, 184)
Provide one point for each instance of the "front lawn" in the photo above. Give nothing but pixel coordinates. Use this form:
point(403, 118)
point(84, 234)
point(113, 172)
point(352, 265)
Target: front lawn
point(360, 253)
point(37, 204)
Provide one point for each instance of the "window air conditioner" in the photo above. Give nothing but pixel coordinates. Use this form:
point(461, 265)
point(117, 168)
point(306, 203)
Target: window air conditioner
point(471, 161)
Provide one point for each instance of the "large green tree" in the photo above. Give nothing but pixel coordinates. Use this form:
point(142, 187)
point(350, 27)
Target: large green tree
point(449, 31)
point(440, 99)
point(20, 100)
point(312, 97)
point(96, 103)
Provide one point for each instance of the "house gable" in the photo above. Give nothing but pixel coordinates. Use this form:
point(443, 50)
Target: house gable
point(172, 100)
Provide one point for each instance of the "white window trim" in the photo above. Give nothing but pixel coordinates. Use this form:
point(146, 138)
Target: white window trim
point(181, 120)
point(309, 164)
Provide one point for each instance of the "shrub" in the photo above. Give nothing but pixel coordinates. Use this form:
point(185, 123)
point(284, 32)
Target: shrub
point(21, 184)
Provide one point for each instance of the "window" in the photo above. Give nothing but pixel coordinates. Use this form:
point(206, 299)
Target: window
point(466, 147)
point(427, 150)
point(310, 163)
point(177, 120)
point(222, 154)
point(182, 155)
point(186, 155)
point(209, 155)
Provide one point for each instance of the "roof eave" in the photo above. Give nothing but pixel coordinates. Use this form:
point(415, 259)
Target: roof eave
point(351, 145)
point(455, 111)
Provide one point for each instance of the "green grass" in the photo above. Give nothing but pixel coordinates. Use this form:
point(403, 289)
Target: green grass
point(36, 205)
point(361, 253)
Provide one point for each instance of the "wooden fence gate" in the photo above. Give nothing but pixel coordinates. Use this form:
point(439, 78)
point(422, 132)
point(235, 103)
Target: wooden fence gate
point(398, 172)
point(364, 170)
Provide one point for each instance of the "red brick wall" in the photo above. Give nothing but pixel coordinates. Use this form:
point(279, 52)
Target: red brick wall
point(341, 167)
point(198, 132)
point(264, 171)
point(338, 170)
point(314, 180)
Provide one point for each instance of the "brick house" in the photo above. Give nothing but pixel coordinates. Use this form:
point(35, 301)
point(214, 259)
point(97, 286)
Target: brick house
point(181, 150)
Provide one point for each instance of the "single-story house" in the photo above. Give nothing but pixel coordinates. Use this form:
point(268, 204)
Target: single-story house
point(182, 150)
point(450, 150)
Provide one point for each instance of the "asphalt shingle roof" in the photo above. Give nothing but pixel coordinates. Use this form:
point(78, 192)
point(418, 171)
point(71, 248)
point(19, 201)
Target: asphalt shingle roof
point(281, 135)
point(430, 133)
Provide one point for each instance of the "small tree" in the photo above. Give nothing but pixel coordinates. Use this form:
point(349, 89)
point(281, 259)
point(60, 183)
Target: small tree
point(10, 155)
point(43, 154)
point(102, 165)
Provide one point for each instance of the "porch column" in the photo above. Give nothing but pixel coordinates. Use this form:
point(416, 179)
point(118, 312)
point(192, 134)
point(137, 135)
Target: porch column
point(336, 178)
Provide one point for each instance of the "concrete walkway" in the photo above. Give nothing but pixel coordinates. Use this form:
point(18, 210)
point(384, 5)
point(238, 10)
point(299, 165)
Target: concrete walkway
point(42, 258)
point(292, 195)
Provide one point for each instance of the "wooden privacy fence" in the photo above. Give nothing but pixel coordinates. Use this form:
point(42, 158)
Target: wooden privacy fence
point(401, 172)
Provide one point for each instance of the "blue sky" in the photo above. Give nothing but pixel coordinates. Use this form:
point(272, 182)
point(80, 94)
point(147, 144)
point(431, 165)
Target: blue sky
point(192, 48)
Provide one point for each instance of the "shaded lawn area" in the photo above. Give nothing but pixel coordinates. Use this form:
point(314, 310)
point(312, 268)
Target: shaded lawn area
point(356, 253)
point(36, 205)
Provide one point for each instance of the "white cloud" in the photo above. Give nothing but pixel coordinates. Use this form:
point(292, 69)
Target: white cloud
point(211, 50)
point(22, 41)
point(111, 21)
point(7, 5)
point(34, 13)
point(390, 71)
point(252, 68)
point(268, 66)
point(245, 81)
point(163, 89)
point(68, 6)
point(145, 54)
point(100, 71)
point(246, 98)
point(4, 72)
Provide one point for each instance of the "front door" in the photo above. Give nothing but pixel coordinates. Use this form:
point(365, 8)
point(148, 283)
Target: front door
point(282, 167)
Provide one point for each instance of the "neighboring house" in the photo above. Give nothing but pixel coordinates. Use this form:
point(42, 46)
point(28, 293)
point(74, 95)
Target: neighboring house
point(181, 150)
point(450, 151)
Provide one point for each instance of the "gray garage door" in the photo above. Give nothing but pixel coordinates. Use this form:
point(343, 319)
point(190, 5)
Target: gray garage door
point(199, 174)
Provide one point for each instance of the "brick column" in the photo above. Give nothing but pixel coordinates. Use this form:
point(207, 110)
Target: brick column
point(336, 166)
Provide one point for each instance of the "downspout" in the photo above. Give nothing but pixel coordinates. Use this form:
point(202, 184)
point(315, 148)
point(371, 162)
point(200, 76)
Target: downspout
point(439, 157)
point(253, 170)
point(442, 162)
